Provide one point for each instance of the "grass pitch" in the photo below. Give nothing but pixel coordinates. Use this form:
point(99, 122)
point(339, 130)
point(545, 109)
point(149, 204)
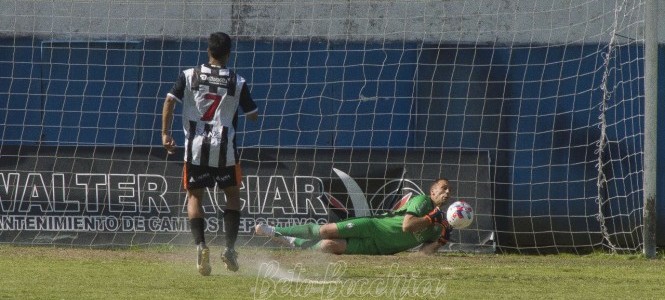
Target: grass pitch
point(170, 273)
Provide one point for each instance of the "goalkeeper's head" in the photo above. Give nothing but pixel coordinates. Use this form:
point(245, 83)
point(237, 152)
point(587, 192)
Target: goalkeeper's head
point(219, 46)
point(439, 192)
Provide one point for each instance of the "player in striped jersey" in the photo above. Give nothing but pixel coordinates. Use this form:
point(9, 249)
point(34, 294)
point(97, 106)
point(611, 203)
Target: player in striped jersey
point(210, 94)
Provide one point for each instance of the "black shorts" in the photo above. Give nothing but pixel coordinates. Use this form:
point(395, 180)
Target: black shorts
point(198, 177)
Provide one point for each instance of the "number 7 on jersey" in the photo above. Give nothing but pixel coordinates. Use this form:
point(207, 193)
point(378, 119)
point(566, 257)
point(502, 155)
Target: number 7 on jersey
point(211, 110)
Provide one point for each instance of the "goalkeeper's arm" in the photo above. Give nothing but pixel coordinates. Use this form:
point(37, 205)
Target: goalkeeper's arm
point(430, 248)
point(433, 247)
point(413, 223)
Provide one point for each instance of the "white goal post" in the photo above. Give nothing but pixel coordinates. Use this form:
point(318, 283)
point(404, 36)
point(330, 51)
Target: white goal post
point(535, 110)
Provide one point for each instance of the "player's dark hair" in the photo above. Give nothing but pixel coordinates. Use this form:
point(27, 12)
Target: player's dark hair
point(219, 44)
point(436, 181)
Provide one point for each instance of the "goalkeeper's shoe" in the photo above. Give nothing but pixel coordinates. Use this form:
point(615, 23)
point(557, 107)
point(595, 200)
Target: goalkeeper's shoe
point(287, 241)
point(203, 259)
point(230, 259)
point(269, 231)
point(264, 230)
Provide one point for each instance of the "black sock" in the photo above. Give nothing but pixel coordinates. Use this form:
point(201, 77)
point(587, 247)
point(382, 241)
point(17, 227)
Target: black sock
point(231, 224)
point(196, 225)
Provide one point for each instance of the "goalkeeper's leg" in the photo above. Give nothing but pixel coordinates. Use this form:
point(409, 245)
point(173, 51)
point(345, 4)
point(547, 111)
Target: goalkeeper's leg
point(351, 228)
point(330, 238)
point(363, 246)
point(289, 241)
point(358, 245)
point(306, 231)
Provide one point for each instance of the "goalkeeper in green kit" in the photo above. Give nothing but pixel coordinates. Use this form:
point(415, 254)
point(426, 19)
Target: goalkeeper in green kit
point(419, 221)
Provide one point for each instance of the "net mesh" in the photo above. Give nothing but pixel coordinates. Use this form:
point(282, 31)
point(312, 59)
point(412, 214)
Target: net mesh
point(533, 110)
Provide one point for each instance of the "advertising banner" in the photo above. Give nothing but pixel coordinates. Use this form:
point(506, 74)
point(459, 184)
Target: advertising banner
point(115, 196)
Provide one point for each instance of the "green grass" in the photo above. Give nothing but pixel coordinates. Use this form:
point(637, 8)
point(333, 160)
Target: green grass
point(169, 273)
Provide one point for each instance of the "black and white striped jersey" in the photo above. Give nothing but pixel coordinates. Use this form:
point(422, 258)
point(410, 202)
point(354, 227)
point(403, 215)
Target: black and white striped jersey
point(210, 97)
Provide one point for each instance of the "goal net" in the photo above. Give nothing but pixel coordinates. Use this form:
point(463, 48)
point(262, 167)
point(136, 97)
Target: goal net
point(532, 109)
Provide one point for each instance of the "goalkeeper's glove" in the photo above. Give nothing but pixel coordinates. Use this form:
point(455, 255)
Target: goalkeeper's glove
point(436, 216)
point(445, 233)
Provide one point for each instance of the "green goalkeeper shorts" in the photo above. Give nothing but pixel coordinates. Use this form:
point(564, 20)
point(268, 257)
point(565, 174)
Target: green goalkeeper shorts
point(359, 234)
point(381, 235)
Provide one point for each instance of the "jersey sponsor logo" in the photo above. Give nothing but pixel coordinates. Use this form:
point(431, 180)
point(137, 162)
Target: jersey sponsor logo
point(223, 81)
point(223, 178)
point(213, 134)
point(200, 177)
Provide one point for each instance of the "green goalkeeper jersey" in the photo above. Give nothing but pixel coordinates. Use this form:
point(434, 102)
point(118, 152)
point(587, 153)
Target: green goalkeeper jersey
point(383, 234)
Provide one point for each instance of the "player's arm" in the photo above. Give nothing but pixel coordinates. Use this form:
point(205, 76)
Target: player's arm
point(413, 223)
point(430, 248)
point(176, 93)
point(417, 216)
point(167, 118)
point(252, 116)
point(247, 104)
point(433, 247)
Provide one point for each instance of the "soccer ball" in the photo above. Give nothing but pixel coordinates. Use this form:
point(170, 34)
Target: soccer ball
point(460, 215)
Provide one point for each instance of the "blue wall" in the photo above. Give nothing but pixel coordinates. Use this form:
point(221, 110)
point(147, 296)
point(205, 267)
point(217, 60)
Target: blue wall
point(383, 95)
